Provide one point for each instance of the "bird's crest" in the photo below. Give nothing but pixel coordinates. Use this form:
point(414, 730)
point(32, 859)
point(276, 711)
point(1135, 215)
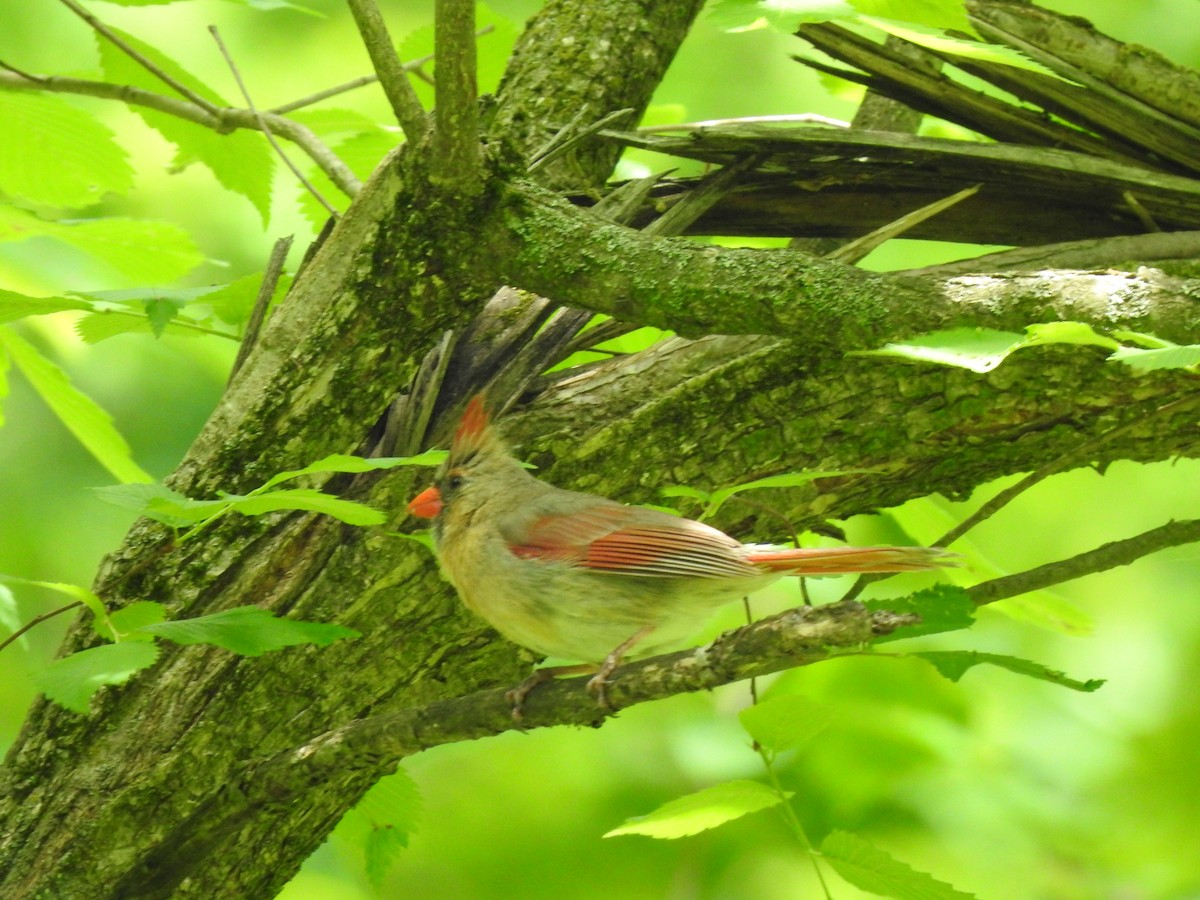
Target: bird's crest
point(474, 432)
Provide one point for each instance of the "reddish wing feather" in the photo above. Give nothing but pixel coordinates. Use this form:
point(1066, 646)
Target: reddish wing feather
point(629, 541)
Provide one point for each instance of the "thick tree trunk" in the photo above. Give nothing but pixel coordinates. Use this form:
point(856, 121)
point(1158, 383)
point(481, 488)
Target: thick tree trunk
point(119, 803)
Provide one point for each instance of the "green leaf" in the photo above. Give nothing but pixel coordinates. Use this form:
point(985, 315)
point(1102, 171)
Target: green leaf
point(1067, 333)
point(93, 603)
point(948, 15)
point(870, 869)
point(106, 323)
point(127, 620)
point(17, 306)
point(242, 161)
point(393, 809)
point(423, 537)
point(3, 384)
point(341, 462)
point(160, 503)
point(702, 810)
point(159, 313)
point(305, 498)
point(361, 153)
point(954, 663)
point(141, 250)
point(72, 680)
point(10, 613)
point(785, 722)
point(1184, 356)
point(782, 15)
point(234, 302)
point(717, 498)
point(247, 630)
point(55, 154)
point(977, 349)
point(942, 607)
point(90, 424)
point(1046, 609)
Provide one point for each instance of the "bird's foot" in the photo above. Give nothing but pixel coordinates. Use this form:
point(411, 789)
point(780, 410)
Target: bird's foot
point(516, 696)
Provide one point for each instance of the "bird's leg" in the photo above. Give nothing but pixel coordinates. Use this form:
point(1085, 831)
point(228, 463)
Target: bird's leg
point(518, 694)
point(598, 683)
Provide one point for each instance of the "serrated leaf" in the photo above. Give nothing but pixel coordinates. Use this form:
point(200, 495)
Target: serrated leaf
point(702, 810)
point(10, 614)
point(954, 663)
point(977, 349)
point(870, 869)
point(247, 630)
point(307, 499)
point(234, 302)
point(242, 161)
point(785, 722)
point(159, 312)
point(56, 154)
point(341, 462)
point(93, 603)
point(90, 424)
point(15, 306)
point(423, 537)
point(72, 680)
point(141, 250)
point(942, 607)
point(939, 42)
point(1183, 356)
point(382, 850)
point(361, 153)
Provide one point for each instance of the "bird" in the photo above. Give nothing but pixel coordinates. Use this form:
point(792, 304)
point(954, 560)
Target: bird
point(577, 576)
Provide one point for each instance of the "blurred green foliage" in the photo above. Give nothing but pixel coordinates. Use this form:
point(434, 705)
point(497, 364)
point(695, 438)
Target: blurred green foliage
point(1001, 785)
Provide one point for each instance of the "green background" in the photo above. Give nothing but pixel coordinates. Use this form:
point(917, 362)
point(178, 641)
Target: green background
point(1000, 785)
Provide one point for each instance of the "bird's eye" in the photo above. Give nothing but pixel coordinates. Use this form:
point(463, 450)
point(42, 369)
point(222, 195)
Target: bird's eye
point(454, 481)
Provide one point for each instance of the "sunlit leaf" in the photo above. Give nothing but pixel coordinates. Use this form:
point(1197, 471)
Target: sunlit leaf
point(90, 424)
point(247, 630)
point(870, 869)
point(1067, 333)
point(954, 663)
point(702, 810)
point(304, 498)
point(785, 722)
point(56, 154)
point(935, 14)
point(977, 349)
point(942, 607)
point(17, 306)
point(106, 323)
point(242, 161)
point(128, 619)
point(1183, 356)
point(393, 809)
point(73, 680)
point(1048, 610)
point(139, 249)
point(340, 462)
point(782, 15)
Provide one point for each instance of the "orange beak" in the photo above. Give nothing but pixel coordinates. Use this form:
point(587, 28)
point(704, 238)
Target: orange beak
point(427, 504)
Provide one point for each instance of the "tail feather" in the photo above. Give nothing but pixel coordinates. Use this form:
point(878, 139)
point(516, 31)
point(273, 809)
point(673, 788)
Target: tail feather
point(848, 560)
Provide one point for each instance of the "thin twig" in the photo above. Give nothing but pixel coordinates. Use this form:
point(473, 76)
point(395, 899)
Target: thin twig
point(457, 158)
point(571, 135)
point(37, 620)
point(221, 120)
point(262, 124)
point(790, 119)
point(853, 251)
point(1107, 556)
point(406, 107)
point(696, 202)
point(266, 290)
point(140, 59)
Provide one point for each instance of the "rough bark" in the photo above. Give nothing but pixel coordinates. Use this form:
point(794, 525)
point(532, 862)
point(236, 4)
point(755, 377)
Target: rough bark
point(117, 804)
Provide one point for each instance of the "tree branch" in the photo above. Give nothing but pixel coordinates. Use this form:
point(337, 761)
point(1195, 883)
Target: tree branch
point(555, 250)
point(457, 156)
point(393, 77)
point(1106, 556)
point(220, 119)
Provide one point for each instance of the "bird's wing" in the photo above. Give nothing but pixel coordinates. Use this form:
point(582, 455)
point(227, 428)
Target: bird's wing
point(626, 540)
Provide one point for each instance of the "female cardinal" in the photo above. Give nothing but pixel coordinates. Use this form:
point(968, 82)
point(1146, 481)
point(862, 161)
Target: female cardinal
point(578, 576)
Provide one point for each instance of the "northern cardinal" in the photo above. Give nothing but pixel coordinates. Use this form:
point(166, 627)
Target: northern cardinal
point(577, 576)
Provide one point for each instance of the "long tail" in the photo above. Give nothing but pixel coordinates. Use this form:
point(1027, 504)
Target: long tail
point(845, 560)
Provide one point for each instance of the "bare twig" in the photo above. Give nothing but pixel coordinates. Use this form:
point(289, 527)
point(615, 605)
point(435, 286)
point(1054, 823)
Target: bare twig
point(222, 119)
point(570, 135)
point(1107, 556)
point(262, 301)
point(457, 158)
point(700, 199)
point(139, 58)
point(392, 77)
point(38, 620)
point(856, 249)
point(295, 170)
